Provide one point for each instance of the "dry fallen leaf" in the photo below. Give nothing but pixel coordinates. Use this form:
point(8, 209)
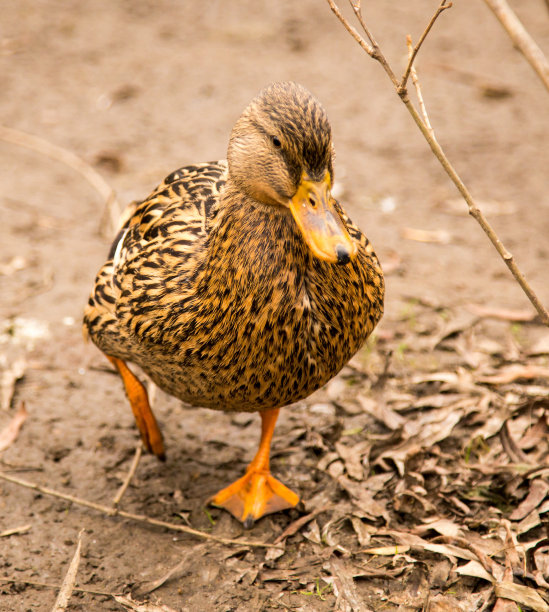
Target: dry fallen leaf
point(12, 370)
point(344, 587)
point(519, 316)
point(538, 492)
point(136, 606)
point(352, 457)
point(474, 569)
point(386, 550)
point(9, 434)
point(449, 550)
point(446, 603)
point(383, 413)
point(443, 526)
point(523, 595)
point(421, 235)
point(149, 587)
point(515, 372)
point(363, 498)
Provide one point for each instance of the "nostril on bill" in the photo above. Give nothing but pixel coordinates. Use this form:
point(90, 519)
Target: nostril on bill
point(343, 254)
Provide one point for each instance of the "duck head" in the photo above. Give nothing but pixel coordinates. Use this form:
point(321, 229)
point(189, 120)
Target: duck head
point(281, 154)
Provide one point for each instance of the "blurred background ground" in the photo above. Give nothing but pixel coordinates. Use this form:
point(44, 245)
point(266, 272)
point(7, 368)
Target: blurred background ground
point(140, 88)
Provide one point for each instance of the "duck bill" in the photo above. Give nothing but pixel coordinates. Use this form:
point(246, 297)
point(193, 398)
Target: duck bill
point(319, 222)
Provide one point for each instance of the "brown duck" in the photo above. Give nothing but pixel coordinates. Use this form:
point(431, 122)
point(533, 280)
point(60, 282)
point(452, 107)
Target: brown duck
point(241, 285)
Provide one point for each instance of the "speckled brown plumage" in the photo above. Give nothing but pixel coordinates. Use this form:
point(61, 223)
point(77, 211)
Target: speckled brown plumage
point(210, 287)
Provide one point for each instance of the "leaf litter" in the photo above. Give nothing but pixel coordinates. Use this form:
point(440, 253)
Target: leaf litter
point(425, 484)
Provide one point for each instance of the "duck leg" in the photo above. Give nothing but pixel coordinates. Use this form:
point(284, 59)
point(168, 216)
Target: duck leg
point(139, 401)
point(257, 493)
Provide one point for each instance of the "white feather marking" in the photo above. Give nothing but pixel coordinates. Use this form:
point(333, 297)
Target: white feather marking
point(116, 258)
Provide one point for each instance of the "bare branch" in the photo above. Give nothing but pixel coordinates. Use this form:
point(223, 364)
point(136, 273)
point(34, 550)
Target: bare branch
point(521, 39)
point(474, 210)
point(476, 213)
point(442, 7)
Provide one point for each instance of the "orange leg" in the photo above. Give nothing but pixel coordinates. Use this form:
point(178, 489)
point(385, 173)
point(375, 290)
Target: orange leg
point(139, 401)
point(257, 493)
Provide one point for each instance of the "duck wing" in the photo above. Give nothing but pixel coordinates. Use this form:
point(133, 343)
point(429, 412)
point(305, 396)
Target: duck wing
point(160, 244)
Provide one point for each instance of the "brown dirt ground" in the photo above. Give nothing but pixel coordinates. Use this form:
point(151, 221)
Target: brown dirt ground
point(140, 88)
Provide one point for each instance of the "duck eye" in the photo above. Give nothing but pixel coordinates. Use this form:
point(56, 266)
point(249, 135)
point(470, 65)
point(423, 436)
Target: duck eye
point(276, 142)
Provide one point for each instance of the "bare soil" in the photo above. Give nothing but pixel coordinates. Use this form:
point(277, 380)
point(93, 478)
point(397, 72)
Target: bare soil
point(435, 435)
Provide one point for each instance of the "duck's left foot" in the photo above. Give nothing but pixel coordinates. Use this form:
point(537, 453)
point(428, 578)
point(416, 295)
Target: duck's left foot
point(255, 494)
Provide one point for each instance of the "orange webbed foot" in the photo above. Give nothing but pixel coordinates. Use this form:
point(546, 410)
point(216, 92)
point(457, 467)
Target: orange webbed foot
point(255, 494)
point(258, 492)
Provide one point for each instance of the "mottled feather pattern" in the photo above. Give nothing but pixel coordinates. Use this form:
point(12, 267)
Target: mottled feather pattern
point(231, 324)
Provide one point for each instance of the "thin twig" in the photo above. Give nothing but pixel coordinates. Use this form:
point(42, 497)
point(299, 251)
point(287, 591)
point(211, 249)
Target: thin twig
point(415, 81)
point(140, 518)
point(521, 38)
point(474, 211)
point(151, 392)
point(56, 587)
point(71, 160)
point(442, 7)
point(129, 476)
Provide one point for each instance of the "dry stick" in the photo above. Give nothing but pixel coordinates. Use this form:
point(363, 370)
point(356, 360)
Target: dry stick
point(521, 39)
point(71, 160)
point(69, 581)
point(130, 475)
point(15, 531)
point(374, 51)
point(134, 517)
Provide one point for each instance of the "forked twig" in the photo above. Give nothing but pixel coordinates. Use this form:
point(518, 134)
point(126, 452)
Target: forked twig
point(521, 39)
point(375, 52)
point(442, 7)
point(419, 95)
point(140, 518)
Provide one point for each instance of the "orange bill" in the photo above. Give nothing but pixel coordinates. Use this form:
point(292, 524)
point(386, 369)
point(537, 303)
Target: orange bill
point(319, 222)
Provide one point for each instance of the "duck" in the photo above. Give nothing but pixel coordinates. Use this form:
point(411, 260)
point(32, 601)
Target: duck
point(240, 284)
